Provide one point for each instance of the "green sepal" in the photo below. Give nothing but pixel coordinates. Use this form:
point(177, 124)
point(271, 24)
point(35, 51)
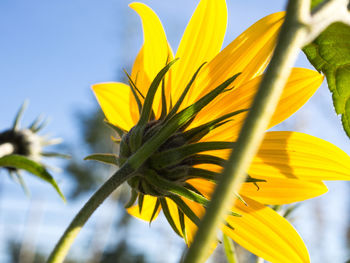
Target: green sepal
point(290, 210)
point(164, 111)
point(167, 215)
point(171, 187)
point(183, 173)
point(169, 127)
point(134, 91)
point(229, 226)
point(19, 115)
point(194, 172)
point(197, 133)
point(21, 162)
point(140, 202)
point(183, 95)
point(205, 159)
point(176, 155)
point(185, 209)
point(231, 213)
point(155, 210)
point(107, 158)
point(38, 124)
point(253, 180)
point(147, 105)
point(182, 224)
point(115, 128)
point(147, 188)
point(188, 113)
point(240, 198)
point(132, 199)
point(136, 137)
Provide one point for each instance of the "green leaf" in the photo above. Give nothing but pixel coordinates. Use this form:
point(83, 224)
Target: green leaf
point(104, 158)
point(330, 54)
point(21, 162)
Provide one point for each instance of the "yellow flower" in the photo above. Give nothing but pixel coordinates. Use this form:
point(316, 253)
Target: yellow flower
point(289, 166)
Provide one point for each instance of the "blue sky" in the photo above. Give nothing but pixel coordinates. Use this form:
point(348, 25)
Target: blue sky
point(51, 52)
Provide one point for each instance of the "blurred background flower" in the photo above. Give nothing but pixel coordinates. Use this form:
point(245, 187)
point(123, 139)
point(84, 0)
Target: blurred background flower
point(51, 52)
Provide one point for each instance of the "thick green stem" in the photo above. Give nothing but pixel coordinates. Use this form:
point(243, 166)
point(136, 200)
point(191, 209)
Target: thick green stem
point(62, 247)
point(290, 41)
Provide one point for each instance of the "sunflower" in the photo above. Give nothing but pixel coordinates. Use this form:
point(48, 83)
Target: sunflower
point(206, 93)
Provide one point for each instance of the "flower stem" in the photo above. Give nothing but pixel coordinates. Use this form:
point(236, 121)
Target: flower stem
point(62, 247)
point(289, 43)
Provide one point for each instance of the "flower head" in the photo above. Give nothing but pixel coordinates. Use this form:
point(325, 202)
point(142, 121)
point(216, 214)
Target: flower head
point(202, 97)
point(23, 148)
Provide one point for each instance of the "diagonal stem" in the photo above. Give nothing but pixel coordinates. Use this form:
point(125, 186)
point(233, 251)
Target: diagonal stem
point(289, 43)
point(63, 245)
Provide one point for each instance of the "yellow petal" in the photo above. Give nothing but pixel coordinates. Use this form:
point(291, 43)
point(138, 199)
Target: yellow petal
point(278, 191)
point(300, 86)
point(174, 212)
point(265, 233)
point(205, 187)
point(114, 100)
point(275, 191)
point(153, 55)
point(298, 155)
point(201, 41)
point(149, 203)
point(248, 54)
point(191, 228)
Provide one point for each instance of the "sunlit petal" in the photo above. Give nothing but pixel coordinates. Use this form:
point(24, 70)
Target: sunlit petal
point(278, 191)
point(114, 100)
point(248, 54)
point(201, 41)
point(174, 212)
point(301, 156)
point(153, 55)
point(265, 233)
point(149, 203)
point(300, 86)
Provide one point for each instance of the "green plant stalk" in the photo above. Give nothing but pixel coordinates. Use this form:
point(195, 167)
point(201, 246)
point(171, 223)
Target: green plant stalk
point(290, 41)
point(63, 245)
